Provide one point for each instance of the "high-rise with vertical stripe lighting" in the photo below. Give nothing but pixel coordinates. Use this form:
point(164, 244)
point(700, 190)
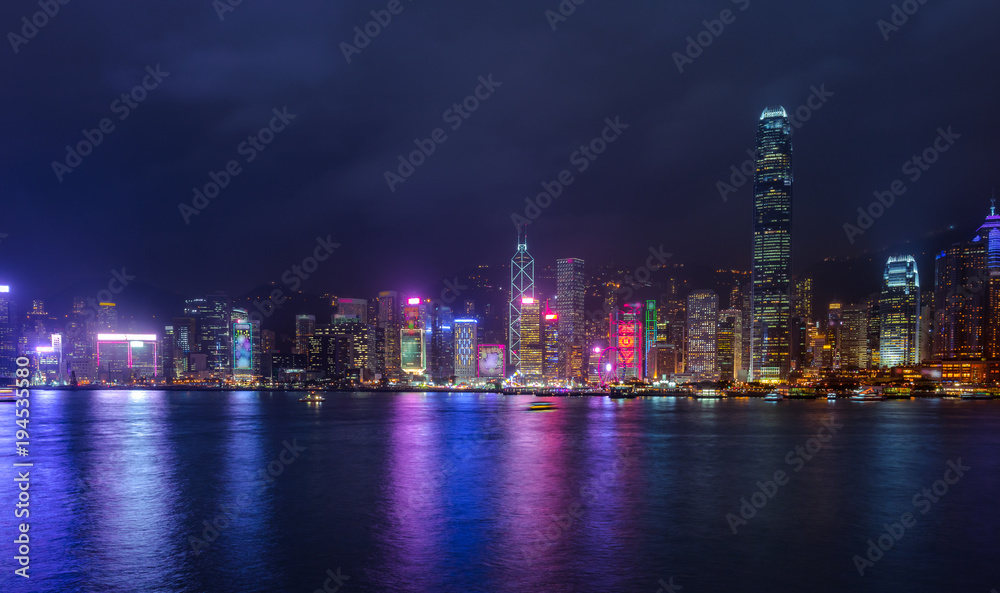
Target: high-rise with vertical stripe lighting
point(772, 248)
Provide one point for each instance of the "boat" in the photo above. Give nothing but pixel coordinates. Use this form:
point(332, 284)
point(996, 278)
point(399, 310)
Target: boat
point(831, 396)
point(868, 394)
point(977, 395)
point(313, 398)
point(773, 397)
point(7, 394)
point(541, 407)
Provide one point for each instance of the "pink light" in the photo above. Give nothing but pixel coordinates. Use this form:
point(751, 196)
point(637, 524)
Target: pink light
point(413, 301)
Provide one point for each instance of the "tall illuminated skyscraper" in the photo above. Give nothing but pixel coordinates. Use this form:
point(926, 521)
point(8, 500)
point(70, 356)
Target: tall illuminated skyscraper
point(702, 326)
point(772, 248)
point(9, 335)
point(899, 306)
point(570, 291)
point(390, 322)
point(522, 286)
point(532, 346)
point(552, 362)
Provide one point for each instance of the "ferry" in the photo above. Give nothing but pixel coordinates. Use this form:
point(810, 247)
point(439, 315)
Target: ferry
point(977, 395)
point(541, 407)
point(709, 394)
point(831, 396)
point(774, 397)
point(7, 394)
point(313, 398)
point(868, 394)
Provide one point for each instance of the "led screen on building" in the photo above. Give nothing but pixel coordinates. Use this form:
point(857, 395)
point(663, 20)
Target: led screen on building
point(242, 347)
point(491, 361)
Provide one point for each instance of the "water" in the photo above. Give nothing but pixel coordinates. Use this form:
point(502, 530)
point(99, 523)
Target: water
point(471, 492)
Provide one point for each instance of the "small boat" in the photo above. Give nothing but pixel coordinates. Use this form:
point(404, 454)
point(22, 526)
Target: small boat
point(312, 398)
point(773, 397)
point(541, 407)
point(831, 396)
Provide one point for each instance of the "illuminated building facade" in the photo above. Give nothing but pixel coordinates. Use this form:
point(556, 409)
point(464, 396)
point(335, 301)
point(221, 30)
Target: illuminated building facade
point(122, 358)
point(532, 347)
point(305, 326)
point(772, 248)
point(413, 339)
point(466, 332)
point(900, 313)
point(356, 308)
point(627, 338)
point(491, 361)
point(9, 334)
point(390, 322)
point(729, 340)
point(247, 351)
point(553, 368)
point(702, 330)
point(854, 338)
point(522, 286)
point(960, 301)
point(358, 338)
point(213, 317)
point(570, 292)
point(651, 324)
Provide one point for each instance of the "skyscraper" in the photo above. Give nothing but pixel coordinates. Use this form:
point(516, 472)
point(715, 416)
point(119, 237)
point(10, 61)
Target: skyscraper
point(960, 301)
point(389, 313)
point(702, 327)
point(305, 326)
point(522, 286)
point(552, 363)
point(729, 340)
point(353, 308)
point(531, 339)
point(772, 247)
point(854, 338)
point(213, 316)
point(465, 349)
point(570, 292)
point(9, 335)
point(899, 310)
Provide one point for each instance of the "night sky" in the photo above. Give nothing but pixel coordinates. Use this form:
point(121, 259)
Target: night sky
point(323, 175)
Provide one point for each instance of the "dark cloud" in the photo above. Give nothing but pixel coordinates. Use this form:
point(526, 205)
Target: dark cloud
point(323, 175)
